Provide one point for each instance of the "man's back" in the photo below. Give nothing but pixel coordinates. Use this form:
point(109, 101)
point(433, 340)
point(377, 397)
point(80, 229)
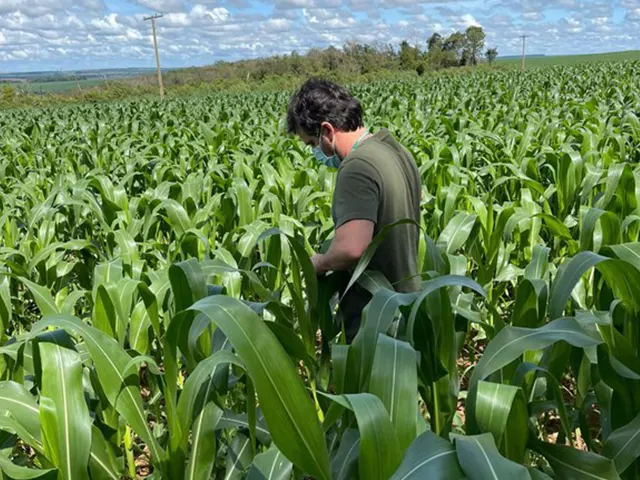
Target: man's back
point(379, 181)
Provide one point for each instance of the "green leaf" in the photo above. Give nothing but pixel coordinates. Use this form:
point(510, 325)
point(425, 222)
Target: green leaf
point(538, 475)
point(512, 342)
point(239, 457)
point(557, 228)
point(102, 463)
point(456, 233)
point(573, 464)
point(6, 310)
point(432, 457)
point(42, 297)
point(288, 412)
point(270, 465)
point(187, 283)
point(623, 445)
point(17, 400)
point(235, 420)
point(16, 472)
point(539, 266)
point(203, 451)
point(628, 252)
point(197, 394)
point(178, 217)
point(65, 420)
point(345, 462)
point(377, 317)
point(394, 380)
point(502, 411)
point(379, 455)
point(480, 459)
point(609, 225)
point(624, 280)
point(10, 425)
point(110, 361)
point(339, 358)
point(531, 304)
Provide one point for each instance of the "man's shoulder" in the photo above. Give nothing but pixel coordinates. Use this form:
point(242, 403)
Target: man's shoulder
point(356, 169)
point(381, 153)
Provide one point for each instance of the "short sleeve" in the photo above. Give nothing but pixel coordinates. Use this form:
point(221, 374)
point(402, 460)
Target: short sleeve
point(357, 193)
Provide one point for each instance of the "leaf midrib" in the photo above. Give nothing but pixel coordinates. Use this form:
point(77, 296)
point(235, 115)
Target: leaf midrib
point(268, 375)
point(196, 432)
point(486, 457)
point(65, 407)
point(422, 464)
point(508, 344)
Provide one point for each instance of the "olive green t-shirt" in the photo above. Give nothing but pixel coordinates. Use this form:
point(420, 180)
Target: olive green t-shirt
point(379, 181)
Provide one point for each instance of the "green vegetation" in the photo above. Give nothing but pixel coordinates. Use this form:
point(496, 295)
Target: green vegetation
point(545, 61)
point(160, 315)
point(58, 86)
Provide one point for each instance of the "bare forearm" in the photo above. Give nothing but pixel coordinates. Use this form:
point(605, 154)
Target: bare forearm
point(336, 259)
point(348, 245)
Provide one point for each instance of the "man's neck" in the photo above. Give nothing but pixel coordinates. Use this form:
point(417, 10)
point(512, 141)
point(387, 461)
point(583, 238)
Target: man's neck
point(349, 140)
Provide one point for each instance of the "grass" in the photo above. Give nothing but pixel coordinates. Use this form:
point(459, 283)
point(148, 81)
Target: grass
point(573, 59)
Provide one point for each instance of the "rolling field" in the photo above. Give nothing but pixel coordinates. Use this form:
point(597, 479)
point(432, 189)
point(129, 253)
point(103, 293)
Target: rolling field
point(546, 61)
point(68, 81)
point(160, 317)
point(64, 86)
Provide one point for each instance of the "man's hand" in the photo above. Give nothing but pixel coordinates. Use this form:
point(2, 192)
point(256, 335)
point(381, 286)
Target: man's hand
point(318, 264)
point(348, 245)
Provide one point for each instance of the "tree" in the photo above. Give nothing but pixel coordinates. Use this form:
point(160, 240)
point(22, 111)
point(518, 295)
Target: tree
point(492, 53)
point(453, 47)
point(435, 42)
point(408, 56)
point(474, 42)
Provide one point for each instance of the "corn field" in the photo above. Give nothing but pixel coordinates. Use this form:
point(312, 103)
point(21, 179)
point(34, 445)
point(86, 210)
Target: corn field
point(160, 316)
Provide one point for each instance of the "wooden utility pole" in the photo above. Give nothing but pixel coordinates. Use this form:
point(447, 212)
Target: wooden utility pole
point(155, 44)
point(524, 41)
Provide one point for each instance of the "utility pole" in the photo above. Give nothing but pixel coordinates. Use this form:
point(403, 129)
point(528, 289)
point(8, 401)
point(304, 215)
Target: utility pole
point(524, 41)
point(155, 44)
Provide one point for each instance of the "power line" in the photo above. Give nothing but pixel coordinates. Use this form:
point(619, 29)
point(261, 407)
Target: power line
point(155, 44)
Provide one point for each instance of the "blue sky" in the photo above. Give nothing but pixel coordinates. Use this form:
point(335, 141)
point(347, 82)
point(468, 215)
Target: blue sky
point(83, 34)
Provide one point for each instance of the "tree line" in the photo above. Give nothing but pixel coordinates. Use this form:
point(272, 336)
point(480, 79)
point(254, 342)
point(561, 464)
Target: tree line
point(352, 60)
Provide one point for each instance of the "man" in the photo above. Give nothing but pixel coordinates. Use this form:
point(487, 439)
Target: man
point(377, 184)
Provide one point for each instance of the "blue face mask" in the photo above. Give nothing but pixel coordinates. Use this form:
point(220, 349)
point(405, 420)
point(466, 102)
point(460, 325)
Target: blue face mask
point(332, 162)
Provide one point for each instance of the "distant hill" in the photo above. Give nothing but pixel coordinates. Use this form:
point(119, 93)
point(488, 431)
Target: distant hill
point(74, 75)
point(510, 57)
point(59, 81)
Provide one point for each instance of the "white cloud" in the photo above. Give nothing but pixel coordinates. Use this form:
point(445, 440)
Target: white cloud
point(108, 24)
point(84, 34)
point(162, 5)
point(633, 15)
point(295, 3)
point(532, 16)
point(36, 8)
point(574, 25)
point(468, 21)
point(278, 24)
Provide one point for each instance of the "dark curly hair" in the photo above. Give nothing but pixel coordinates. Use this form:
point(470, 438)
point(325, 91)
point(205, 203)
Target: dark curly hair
point(320, 101)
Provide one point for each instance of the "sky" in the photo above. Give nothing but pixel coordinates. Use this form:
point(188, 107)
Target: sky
point(40, 35)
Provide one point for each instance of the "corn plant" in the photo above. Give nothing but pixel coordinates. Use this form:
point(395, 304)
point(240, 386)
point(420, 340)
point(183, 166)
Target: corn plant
point(160, 316)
